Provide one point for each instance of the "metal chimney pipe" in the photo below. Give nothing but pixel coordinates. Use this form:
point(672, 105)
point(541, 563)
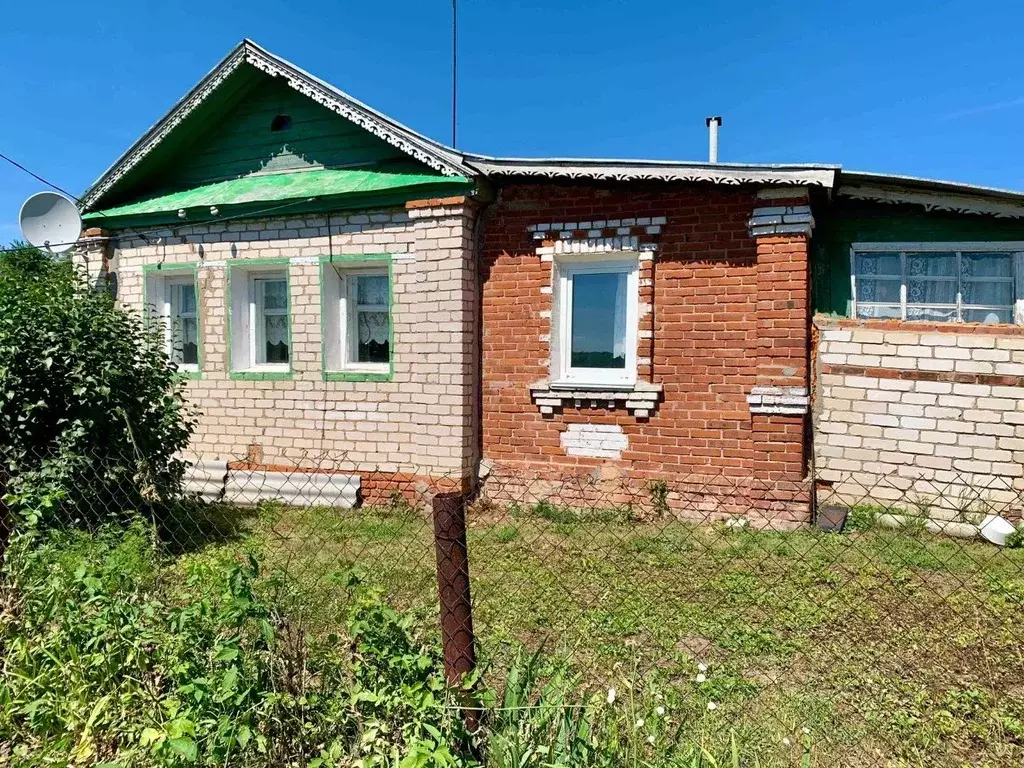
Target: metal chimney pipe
point(713, 123)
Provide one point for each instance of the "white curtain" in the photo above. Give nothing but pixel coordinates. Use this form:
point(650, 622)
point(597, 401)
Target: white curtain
point(373, 327)
point(931, 278)
point(986, 279)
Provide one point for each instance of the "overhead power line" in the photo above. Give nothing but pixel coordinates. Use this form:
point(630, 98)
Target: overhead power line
point(37, 177)
point(143, 234)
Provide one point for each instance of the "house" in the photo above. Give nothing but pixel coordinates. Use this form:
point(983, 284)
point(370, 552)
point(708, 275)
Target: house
point(919, 290)
point(356, 302)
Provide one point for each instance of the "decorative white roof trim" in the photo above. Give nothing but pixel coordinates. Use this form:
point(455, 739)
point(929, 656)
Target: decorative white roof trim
point(782, 193)
point(428, 152)
point(626, 170)
point(418, 147)
point(933, 201)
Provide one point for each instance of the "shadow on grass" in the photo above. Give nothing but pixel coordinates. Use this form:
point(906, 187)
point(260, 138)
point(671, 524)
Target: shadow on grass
point(192, 525)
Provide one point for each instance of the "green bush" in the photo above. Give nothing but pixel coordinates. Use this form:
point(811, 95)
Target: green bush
point(107, 660)
point(91, 412)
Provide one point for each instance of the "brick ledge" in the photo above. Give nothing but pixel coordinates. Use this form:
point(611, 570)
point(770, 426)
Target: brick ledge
point(641, 400)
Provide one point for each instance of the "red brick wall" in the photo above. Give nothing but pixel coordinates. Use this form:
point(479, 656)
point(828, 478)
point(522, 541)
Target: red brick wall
point(714, 335)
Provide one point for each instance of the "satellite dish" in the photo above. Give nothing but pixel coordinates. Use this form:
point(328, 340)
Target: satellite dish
point(50, 221)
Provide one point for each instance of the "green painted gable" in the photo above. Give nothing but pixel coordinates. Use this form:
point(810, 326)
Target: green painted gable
point(846, 221)
point(242, 143)
point(225, 154)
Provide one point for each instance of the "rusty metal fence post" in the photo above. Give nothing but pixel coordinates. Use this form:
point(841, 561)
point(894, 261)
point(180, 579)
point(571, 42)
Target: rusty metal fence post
point(453, 590)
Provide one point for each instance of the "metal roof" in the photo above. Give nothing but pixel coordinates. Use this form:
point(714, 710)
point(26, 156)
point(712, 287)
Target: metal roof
point(273, 187)
point(429, 152)
point(931, 194)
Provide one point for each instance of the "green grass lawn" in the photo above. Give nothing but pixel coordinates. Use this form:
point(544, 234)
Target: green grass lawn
point(890, 648)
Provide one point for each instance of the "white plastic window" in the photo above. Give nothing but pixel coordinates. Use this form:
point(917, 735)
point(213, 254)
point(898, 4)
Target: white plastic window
point(269, 308)
point(181, 312)
point(595, 326)
point(357, 318)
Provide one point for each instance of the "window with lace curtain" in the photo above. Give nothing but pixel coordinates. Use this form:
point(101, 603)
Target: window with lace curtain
point(357, 318)
point(938, 282)
point(172, 300)
point(260, 319)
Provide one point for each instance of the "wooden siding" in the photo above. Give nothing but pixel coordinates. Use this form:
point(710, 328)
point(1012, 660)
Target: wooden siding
point(241, 142)
point(848, 221)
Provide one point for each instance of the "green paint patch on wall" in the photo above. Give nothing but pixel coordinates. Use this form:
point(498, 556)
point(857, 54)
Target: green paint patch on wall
point(847, 222)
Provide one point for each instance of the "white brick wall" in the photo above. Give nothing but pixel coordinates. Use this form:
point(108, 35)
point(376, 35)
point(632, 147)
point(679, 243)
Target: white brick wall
point(605, 441)
point(950, 447)
point(421, 421)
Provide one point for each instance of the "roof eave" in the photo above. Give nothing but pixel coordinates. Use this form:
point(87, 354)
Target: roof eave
point(654, 170)
point(931, 194)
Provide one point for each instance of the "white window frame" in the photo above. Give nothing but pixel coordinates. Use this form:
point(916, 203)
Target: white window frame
point(1015, 248)
point(563, 373)
point(257, 311)
point(341, 317)
point(167, 313)
point(245, 310)
point(159, 307)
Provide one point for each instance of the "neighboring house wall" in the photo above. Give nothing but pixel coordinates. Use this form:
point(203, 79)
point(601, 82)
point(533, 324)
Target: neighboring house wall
point(720, 313)
point(843, 222)
point(420, 419)
point(923, 410)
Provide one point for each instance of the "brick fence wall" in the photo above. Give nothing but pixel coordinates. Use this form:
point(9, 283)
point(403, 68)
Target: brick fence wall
point(929, 411)
point(423, 420)
point(720, 314)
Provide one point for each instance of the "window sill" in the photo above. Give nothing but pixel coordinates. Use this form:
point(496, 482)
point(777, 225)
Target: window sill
point(640, 399)
point(262, 375)
point(581, 386)
point(357, 375)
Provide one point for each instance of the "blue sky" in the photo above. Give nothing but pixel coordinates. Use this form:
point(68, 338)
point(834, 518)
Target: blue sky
point(924, 88)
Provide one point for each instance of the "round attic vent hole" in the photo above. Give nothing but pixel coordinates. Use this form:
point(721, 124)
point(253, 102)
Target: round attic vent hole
point(280, 123)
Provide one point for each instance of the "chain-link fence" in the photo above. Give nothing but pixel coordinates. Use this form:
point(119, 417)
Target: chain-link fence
point(883, 628)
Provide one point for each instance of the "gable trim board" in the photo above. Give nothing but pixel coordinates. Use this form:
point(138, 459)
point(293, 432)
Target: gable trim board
point(418, 147)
